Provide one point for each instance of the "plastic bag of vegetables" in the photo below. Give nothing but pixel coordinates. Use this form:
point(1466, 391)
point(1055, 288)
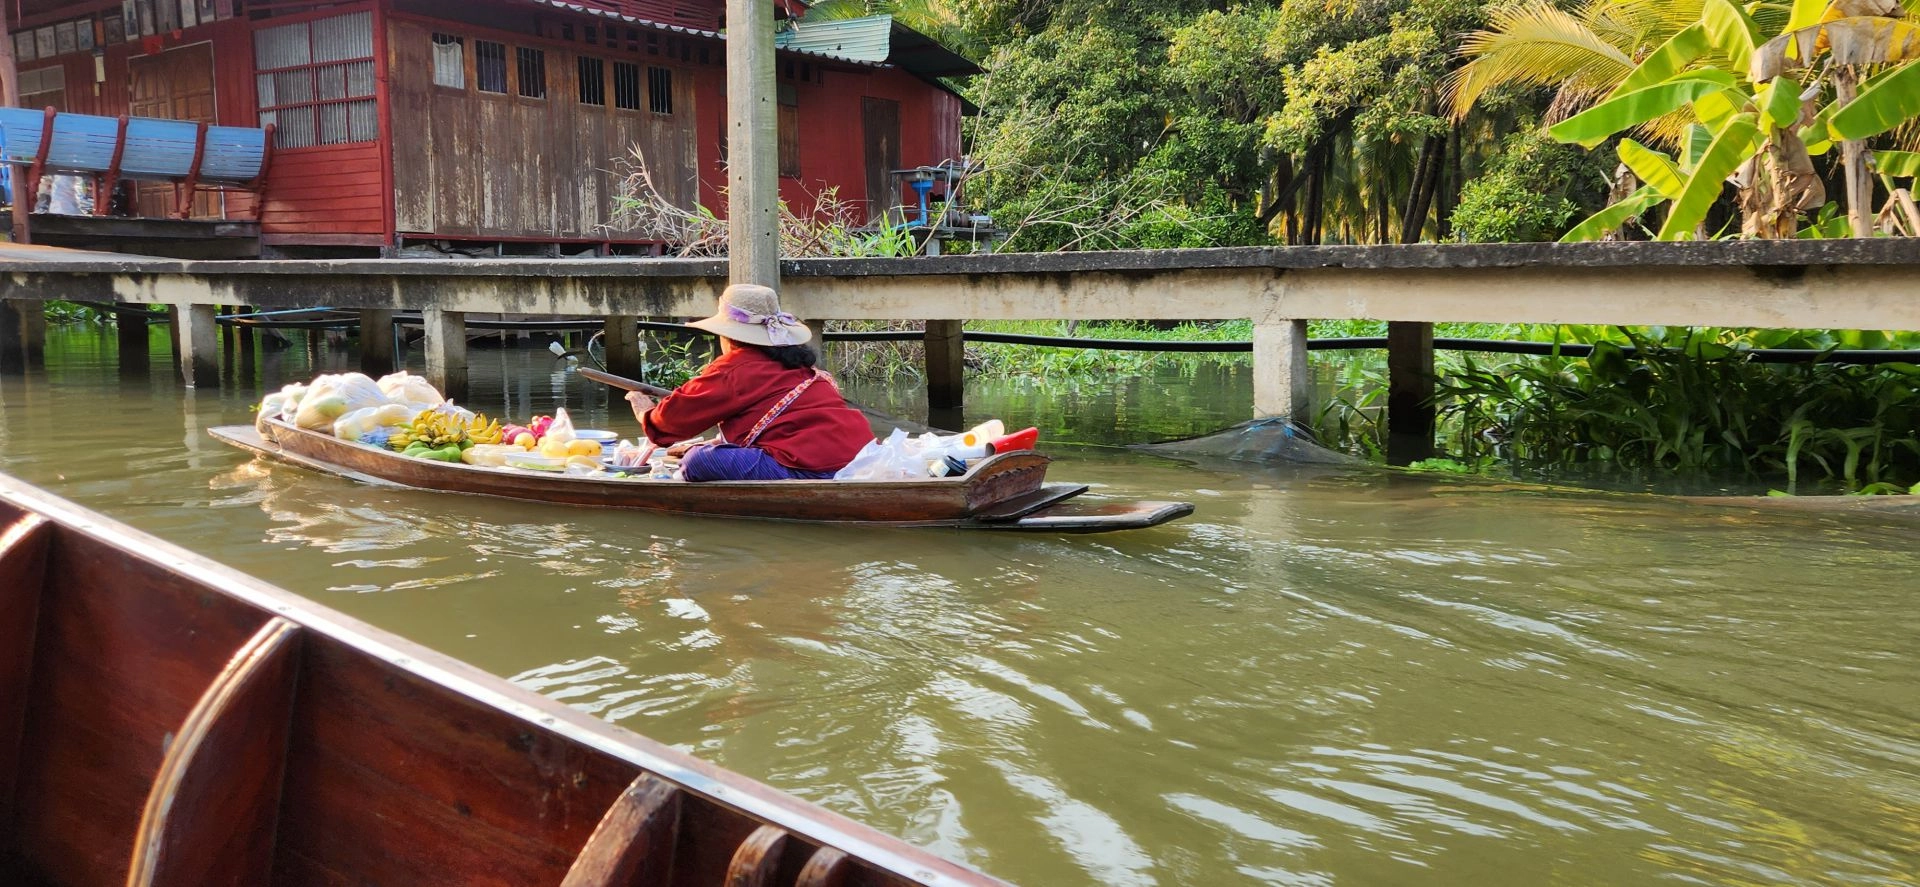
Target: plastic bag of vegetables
point(405, 387)
point(333, 396)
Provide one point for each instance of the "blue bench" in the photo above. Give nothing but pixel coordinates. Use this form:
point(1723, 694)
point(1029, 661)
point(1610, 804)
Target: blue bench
point(193, 156)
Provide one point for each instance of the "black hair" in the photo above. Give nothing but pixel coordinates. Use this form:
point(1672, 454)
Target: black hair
point(793, 357)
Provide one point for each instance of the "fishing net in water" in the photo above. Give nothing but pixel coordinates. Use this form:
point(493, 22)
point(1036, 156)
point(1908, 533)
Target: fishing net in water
point(1258, 440)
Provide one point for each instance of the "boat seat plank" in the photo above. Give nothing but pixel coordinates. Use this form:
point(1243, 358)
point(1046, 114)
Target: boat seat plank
point(758, 858)
point(634, 841)
point(126, 646)
point(827, 867)
point(23, 565)
point(1028, 503)
point(211, 816)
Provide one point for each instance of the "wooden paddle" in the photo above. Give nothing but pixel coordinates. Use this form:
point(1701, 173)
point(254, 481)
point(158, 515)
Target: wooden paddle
point(622, 382)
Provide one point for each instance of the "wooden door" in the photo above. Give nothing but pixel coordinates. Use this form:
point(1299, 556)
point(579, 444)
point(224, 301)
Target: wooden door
point(176, 85)
point(880, 124)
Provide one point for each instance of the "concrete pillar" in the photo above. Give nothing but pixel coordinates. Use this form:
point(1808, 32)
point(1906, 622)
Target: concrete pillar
point(1280, 370)
point(136, 354)
point(446, 344)
point(625, 355)
point(753, 152)
point(13, 323)
point(246, 336)
point(199, 345)
point(376, 342)
point(1410, 416)
point(33, 333)
point(946, 365)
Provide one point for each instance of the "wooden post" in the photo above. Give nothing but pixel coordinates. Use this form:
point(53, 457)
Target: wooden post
point(625, 355)
point(946, 365)
point(246, 336)
point(446, 344)
point(1409, 392)
point(753, 153)
point(10, 97)
point(1280, 370)
point(376, 342)
point(136, 354)
point(199, 345)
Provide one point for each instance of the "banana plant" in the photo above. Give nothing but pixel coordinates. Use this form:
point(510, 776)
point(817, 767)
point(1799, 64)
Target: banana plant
point(1758, 105)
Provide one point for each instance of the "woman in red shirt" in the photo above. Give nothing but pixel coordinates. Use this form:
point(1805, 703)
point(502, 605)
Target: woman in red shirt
point(780, 417)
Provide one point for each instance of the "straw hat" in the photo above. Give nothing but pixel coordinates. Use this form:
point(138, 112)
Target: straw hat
point(751, 313)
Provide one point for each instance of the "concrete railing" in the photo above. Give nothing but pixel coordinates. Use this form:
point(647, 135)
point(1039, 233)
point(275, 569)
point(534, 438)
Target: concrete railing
point(1842, 284)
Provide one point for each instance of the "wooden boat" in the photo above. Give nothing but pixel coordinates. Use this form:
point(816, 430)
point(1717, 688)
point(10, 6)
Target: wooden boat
point(1003, 492)
point(165, 720)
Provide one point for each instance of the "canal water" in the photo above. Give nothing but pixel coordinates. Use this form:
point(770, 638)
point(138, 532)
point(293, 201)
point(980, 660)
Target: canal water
point(1326, 675)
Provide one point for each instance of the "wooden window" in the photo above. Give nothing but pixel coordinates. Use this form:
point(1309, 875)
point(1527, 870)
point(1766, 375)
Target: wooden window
point(533, 73)
point(626, 86)
point(315, 81)
point(660, 90)
point(789, 130)
point(593, 81)
point(449, 61)
point(490, 66)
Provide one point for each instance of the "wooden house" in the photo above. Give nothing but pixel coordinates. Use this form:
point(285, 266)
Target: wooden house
point(500, 123)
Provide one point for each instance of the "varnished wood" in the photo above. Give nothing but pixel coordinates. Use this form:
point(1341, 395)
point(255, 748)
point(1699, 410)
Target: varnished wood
point(827, 867)
point(758, 858)
point(400, 765)
point(211, 815)
point(23, 564)
point(929, 501)
point(634, 842)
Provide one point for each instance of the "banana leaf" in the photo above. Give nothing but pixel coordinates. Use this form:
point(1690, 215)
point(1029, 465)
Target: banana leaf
point(1859, 40)
point(1781, 102)
point(1884, 103)
point(1732, 145)
point(1600, 122)
point(1654, 168)
point(1597, 225)
point(1730, 31)
point(1662, 64)
point(1897, 164)
point(1699, 139)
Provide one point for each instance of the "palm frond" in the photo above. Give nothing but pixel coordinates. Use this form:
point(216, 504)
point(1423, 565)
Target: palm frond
point(1534, 44)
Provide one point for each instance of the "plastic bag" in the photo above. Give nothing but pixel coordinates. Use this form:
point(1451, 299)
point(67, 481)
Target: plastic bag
point(352, 425)
point(330, 397)
point(559, 434)
point(896, 458)
point(294, 393)
point(405, 387)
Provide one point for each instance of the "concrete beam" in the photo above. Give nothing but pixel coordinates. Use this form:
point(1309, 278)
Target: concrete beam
point(377, 352)
point(1280, 370)
point(446, 344)
point(625, 354)
point(199, 345)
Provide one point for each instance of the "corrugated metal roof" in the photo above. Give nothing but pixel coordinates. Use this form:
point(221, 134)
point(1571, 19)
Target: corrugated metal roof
point(868, 39)
point(691, 32)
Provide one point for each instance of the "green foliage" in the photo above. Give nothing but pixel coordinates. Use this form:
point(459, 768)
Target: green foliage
point(1523, 195)
point(1699, 410)
point(68, 312)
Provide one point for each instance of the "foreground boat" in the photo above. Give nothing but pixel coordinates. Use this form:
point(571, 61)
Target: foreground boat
point(1003, 492)
point(167, 721)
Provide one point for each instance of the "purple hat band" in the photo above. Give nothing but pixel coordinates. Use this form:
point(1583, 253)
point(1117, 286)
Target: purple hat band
point(776, 324)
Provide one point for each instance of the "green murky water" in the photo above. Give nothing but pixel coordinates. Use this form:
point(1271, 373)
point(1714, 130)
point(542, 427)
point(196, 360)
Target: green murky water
point(1324, 676)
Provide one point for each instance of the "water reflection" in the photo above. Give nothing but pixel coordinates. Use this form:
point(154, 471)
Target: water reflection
point(1324, 676)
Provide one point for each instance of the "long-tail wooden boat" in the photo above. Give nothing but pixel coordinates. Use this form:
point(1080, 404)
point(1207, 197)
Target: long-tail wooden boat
point(1003, 492)
point(165, 720)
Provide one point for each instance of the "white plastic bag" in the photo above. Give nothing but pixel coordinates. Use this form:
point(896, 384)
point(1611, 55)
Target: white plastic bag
point(330, 397)
point(405, 387)
point(559, 434)
point(896, 458)
point(366, 419)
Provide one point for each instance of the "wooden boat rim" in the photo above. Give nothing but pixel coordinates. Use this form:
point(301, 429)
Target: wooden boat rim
point(797, 485)
point(762, 802)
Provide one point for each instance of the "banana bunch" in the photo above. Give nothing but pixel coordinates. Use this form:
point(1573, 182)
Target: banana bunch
point(484, 431)
point(434, 429)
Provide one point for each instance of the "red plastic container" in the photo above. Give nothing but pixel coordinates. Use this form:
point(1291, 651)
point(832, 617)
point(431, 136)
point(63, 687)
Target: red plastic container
point(1019, 440)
